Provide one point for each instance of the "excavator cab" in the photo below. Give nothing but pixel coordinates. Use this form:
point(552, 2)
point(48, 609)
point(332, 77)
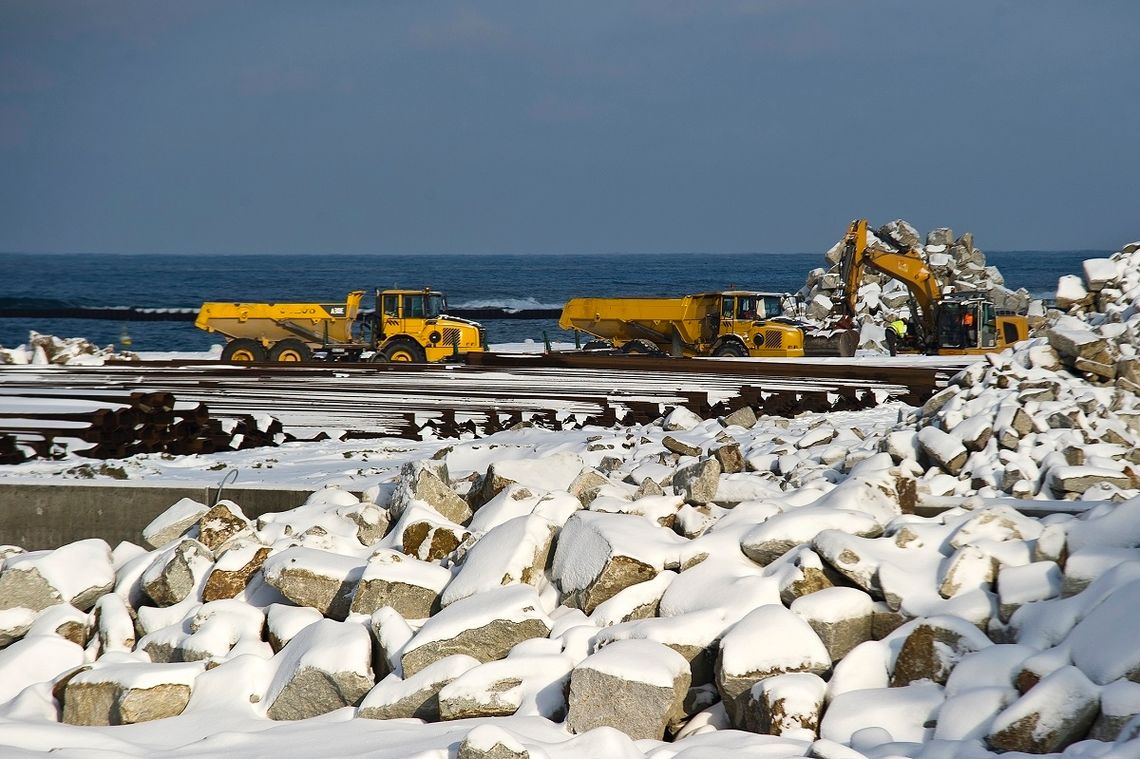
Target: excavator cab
point(967, 323)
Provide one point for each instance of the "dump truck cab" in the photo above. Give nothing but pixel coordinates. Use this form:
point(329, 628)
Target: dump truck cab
point(412, 325)
point(747, 319)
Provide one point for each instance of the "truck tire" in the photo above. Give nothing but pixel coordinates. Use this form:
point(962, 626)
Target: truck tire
point(290, 352)
point(243, 351)
point(404, 352)
point(730, 349)
point(641, 347)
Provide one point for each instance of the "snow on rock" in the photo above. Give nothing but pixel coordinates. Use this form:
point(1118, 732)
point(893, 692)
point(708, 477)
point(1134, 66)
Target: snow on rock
point(127, 692)
point(173, 522)
point(408, 585)
point(1104, 646)
point(416, 697)
point(421, 481)
point(901, 714)
point(600, 554)
point(36, 659)
point(326, 666)
point(77, 573)
point(485, 626)
point(933, 648)
point(74, 351)
point(1119, 704)
point(776, 536)
point(424, 533)
point(1055, 713)
point(636, 686)
point(516, 551)
point(840, 616)
point(311, 577)
point(553, 472)
point(490, 742)
point(518, 684)
point(770, 640)
point(787, 705)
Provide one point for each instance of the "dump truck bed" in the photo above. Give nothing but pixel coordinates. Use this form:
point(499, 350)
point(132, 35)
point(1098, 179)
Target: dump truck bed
point(624, 319)
point(314, 323)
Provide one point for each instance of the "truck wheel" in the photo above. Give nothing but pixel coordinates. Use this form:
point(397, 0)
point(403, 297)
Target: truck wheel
point(243, 351)
point(290, 352)
point(405, 352)
point(730, 349)
point(640, 346)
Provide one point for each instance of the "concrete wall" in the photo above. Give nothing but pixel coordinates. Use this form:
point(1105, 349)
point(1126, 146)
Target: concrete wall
point(38, 516)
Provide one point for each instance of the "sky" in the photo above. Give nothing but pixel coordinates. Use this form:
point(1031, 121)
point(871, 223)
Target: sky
point(624, 126)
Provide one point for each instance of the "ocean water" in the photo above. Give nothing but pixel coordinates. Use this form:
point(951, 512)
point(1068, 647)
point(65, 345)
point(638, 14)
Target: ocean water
point(473, 281)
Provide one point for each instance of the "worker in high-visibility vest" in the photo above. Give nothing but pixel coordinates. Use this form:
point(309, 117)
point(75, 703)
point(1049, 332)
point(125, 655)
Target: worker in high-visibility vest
point(899, 326)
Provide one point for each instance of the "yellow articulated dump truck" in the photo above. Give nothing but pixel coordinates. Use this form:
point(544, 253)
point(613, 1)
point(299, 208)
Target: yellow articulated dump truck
point(406, 326)
point(731, 323)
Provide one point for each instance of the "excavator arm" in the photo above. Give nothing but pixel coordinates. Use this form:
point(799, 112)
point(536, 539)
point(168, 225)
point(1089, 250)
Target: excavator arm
point(907, 267)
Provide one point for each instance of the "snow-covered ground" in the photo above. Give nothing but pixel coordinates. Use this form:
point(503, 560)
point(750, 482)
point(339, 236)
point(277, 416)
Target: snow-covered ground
point(685, 588)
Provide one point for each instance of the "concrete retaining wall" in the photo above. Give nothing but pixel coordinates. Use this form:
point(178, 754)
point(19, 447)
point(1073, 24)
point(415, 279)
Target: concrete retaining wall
point(38, 516)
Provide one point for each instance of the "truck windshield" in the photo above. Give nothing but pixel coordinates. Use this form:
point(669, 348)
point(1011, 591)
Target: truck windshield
point(436, 305)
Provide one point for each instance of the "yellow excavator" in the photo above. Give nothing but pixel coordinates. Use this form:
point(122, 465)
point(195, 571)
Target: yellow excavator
point(943, 323)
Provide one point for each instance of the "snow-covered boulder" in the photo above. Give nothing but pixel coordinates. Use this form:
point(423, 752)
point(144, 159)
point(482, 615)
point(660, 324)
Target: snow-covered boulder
point(77, 573)
point(841, 617)
point(416, 697)
point(769, 641)
point(1056, 712)
point(636, 686)
point(173, 522)
point(516, 551)
point(698, 482)
point(485, 627)
point(420, 481)
point(932, 649)
point(311, 577)
point(221, 523)
point(600, 554)
point(177, 572)
point(519, 684)
point(410, 586)
point(788, 705)
point(129, 691)
point(233, 569)
point(776, 536)
point(326, 666)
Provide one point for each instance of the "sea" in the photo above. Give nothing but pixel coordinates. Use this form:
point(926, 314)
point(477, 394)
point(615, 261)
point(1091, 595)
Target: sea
point(51, 282)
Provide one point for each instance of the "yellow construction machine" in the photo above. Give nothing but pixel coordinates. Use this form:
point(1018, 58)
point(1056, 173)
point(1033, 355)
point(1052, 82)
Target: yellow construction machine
point(731, 323)
point(944, 323)
point(407, 326)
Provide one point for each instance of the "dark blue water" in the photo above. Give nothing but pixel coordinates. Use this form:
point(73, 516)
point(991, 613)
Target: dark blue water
point(102, 280)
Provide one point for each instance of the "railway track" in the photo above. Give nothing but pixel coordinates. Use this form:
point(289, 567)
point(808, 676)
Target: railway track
point(492, 392)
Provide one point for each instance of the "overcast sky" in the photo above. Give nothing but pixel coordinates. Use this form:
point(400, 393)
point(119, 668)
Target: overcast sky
point(538, 127)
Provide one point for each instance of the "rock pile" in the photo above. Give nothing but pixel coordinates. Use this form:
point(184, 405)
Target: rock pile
point(74, 351)
point(955, 262)
point(1055, 417)
point(667, 581)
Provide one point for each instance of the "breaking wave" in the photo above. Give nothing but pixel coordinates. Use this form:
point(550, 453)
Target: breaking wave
point(507, 305)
